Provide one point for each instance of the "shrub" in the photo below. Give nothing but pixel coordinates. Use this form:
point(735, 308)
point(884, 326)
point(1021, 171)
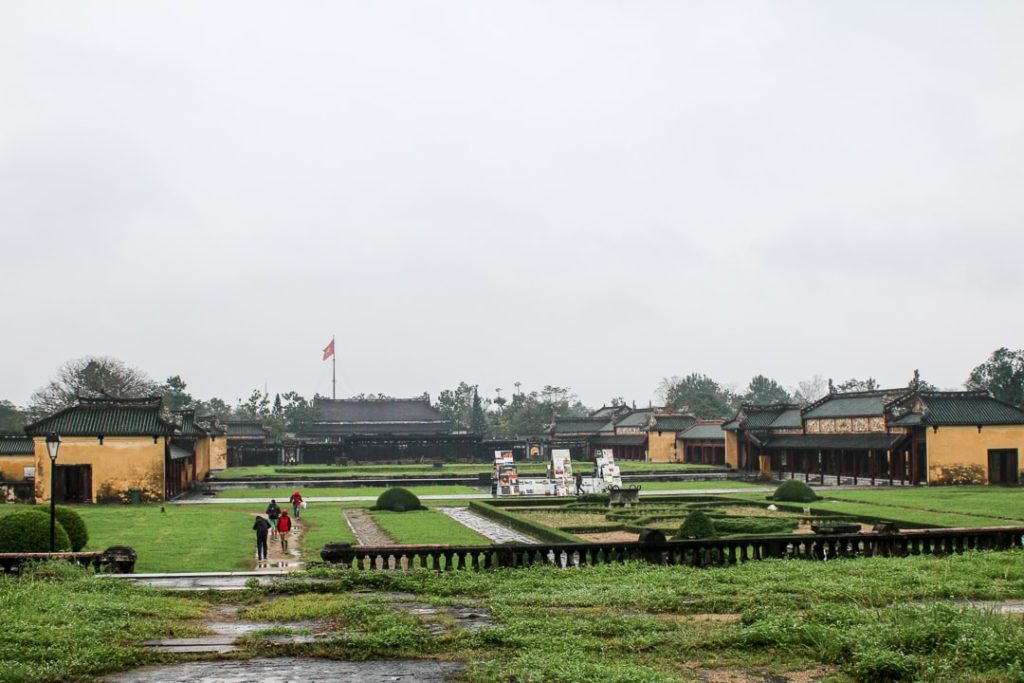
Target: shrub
point(72, 523)
point(754, 525)
point(398, 499)
point(793, 491)
point(696, 525)
point(28, 531)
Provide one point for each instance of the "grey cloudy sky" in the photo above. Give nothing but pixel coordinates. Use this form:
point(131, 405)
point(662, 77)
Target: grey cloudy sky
point(591, 194)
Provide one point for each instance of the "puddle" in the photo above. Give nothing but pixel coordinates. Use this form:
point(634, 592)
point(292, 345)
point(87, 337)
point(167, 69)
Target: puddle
point(288, 669)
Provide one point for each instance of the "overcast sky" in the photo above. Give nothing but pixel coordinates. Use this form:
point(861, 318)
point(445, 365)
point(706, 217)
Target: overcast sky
point(589, 194)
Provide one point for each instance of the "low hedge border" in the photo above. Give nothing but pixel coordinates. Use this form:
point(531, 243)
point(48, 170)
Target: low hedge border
point(593, 529)
point(538, 531)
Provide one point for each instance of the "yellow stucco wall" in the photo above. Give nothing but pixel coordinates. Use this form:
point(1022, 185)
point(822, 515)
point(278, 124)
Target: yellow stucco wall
point(732, 451)
point(202, 458)
point(121, 463)
point(660, 447)
point(12, 467)
point(219, 453)
point(963, 451)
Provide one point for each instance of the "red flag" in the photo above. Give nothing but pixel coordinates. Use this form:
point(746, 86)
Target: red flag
point(329, 350)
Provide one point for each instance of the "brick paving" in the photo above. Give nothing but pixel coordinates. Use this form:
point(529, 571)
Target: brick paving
point(366, 530)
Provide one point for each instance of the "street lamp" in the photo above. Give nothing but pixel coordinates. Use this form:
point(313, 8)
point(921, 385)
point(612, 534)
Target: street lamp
point(52, 446)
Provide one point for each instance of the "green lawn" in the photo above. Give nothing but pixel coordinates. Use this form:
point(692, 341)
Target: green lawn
point(904, 507)
point(694, 485)
point(843, 621)
point(427, 527)
point(282, 495)
point(324, 523)
point(992, 502)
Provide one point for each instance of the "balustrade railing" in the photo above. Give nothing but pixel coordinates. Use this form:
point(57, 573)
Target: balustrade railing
point(692, 553)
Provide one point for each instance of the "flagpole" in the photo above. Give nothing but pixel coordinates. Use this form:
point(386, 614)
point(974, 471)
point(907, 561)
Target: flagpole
point(334, 380)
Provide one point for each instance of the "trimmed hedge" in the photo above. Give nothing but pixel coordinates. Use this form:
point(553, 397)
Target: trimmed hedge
point(697, 525)
point(538, 531)
point(397, 499)
point(72, 523)
point(28, 531)
point(755, 526)
point(794, 491)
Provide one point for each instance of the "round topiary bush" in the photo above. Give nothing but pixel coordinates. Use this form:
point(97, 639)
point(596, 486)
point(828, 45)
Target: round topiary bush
point(794, 491)
point(28, 531)
point(72, 523)
point(696, 525)
point(397, 499)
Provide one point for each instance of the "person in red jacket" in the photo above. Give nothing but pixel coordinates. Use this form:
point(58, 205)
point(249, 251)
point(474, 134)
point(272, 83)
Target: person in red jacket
point(284, 525)
point(296, 501)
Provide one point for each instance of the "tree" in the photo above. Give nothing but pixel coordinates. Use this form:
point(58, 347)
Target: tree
point(810, 390)
point(12, 420)
point(853, 384)
point(698, 394)
point(531, 413)
point(765, 391)
point(214, 406)
point(478, 420)
point(256, 407)
point(90, 376)
point(175, 396)
point(457, 404)
point(1002, 374)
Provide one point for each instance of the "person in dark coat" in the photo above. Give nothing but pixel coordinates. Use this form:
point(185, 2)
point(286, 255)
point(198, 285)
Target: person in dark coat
point(261, 526)
point(273, 512)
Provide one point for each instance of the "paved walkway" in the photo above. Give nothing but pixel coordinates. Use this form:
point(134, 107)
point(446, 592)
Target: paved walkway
point(497, 533)
point(366, 530)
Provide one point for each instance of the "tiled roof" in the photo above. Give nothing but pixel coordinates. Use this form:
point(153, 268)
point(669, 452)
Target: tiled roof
point(377, 410)
point(106, 417)
point(852, 442)
point(704, 432)
point(672, 423)
point(314, 429)
point(610, 411)
point(636, 418)
point(16, 444)
point(936, 408)
point(789, 419)
point(578, 425)
point(244, 428)
point(752, 416)
point(187, 425)
point(853, 404)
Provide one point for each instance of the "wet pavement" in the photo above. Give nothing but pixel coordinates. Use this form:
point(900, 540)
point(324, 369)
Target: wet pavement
point(497, 533)
point(290, 669)
point(366, 530)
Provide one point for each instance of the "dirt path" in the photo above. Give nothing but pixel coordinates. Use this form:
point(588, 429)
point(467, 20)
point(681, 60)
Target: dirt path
point(276, 556)
point(366, 530)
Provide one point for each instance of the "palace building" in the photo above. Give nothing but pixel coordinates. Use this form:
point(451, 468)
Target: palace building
point(905, 436)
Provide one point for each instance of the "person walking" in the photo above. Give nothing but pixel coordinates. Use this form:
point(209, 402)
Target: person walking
point(284, 525)
point(261, 527)
point(296, 501)
point(273, 512)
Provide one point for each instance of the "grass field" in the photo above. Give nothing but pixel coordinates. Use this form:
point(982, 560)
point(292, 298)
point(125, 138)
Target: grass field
point(314, 471)
point(695, 485)
point(426, 527)
point(324, 524)
point(282, 495)
point(847, 621)
point(922, 506)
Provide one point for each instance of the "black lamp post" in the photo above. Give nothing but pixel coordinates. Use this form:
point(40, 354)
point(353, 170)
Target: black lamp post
point(52, 446)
